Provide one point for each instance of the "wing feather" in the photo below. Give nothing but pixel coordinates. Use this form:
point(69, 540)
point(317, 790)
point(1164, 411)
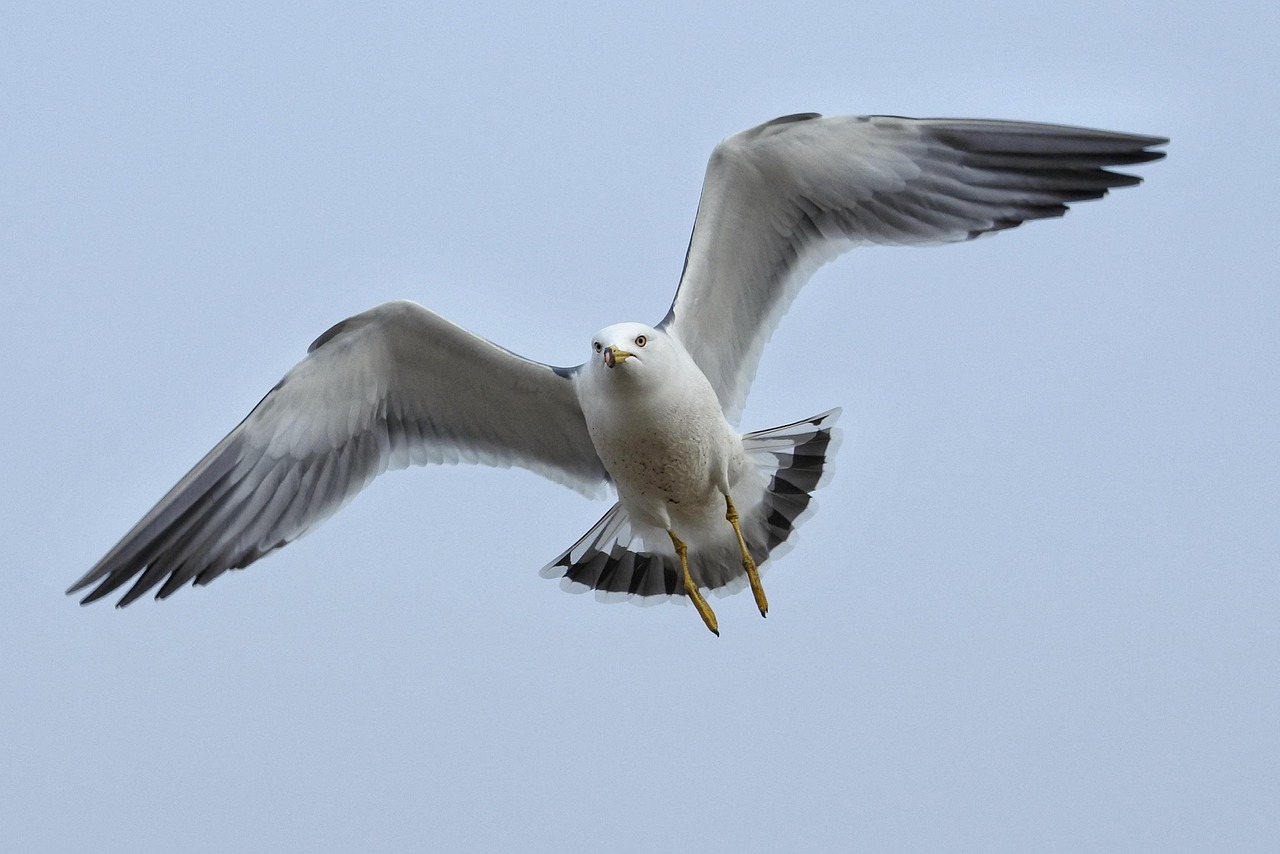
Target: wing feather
point(392, 387)
point(781, 199)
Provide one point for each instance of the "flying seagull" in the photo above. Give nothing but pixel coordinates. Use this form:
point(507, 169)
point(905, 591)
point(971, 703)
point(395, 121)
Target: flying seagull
point(653, 410)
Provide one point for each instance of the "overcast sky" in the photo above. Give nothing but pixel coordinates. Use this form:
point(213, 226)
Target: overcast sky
point(1038, 610)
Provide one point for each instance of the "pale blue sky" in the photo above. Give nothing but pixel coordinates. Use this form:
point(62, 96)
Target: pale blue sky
point(1038, 610)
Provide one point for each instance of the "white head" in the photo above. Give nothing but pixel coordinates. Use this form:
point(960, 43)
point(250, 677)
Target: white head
point(634, 365)
point(634, 351)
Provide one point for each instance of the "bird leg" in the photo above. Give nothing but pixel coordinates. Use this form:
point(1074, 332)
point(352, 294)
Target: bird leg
point(691, 589)
point(753, 575)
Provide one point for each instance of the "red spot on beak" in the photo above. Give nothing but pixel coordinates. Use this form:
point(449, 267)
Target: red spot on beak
point(612, 356)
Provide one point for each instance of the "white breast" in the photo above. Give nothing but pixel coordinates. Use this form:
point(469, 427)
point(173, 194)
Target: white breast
point(660, 433)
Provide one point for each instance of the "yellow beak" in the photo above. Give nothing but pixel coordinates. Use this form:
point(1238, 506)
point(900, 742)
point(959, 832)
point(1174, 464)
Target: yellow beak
point(612, 356)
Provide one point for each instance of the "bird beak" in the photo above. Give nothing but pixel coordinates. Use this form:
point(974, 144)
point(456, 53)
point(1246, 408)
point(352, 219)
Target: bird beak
point(612, 356)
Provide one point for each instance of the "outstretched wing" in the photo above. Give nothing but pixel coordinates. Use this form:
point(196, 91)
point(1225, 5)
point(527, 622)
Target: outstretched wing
point(783, 198)
point(395, 386)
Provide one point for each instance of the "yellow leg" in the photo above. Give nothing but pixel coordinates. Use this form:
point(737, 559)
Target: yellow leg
point(695, 595)
point(753, 575)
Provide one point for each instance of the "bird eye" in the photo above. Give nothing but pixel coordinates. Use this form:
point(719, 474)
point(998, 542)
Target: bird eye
point(598, 346)
point(641, 340)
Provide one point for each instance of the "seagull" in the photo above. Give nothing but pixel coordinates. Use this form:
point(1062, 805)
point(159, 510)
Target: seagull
point(653, 410)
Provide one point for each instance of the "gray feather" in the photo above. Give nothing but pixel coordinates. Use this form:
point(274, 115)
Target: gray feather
point(391, 387)
point(781, 199)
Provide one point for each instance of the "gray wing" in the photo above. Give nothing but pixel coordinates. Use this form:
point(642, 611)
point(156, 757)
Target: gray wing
point(395, 386)
point(783, 198)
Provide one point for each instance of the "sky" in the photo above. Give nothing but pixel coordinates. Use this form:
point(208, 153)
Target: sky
point(1037, 610)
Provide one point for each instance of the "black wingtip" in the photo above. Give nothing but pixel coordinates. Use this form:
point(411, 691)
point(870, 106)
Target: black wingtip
point(90, 597)
point(1149, 154)
point(792, 117)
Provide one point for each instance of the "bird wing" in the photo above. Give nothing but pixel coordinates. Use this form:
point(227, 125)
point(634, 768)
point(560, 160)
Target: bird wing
point(781, 199)
point(395, 386)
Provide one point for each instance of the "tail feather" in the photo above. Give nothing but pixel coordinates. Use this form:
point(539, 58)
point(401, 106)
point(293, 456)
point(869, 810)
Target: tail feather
point(800, 466)
point(620, 562)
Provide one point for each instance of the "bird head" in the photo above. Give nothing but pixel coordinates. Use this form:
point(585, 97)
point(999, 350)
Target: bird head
point(631, 344)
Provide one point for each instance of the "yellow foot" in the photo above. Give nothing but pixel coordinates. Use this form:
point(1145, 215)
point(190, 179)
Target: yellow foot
point(691, 589)
point(753, 574)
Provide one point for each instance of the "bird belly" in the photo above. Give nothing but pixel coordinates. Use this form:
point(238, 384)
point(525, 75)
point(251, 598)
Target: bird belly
point(670, 468)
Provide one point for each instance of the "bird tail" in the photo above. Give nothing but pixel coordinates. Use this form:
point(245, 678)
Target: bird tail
point(621, 560)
